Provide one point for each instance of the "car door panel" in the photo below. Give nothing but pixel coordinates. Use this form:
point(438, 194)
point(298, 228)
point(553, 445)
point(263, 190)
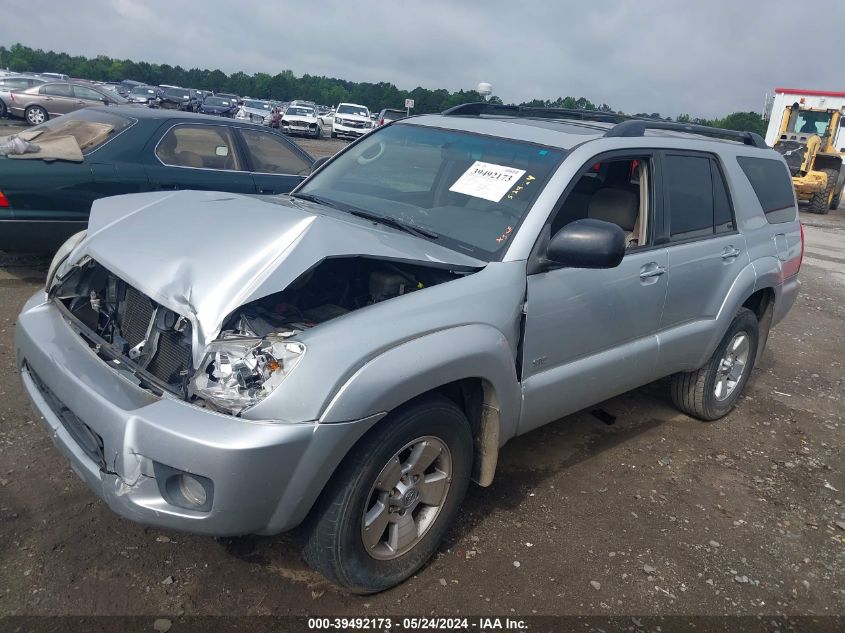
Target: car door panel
point(590, 334)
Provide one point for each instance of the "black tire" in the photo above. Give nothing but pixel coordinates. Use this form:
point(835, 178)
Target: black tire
point(694, 392)
point(35, 115)
point(837, 197)
point(3, 111)
point(334, 543)
point(318, 132)
point(334, 135)
point(822, 201)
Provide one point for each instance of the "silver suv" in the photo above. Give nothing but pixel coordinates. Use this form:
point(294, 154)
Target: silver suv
point(348, 357)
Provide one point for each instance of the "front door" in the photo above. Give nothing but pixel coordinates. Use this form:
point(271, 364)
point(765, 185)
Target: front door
point(592, 334)
point(277, 164)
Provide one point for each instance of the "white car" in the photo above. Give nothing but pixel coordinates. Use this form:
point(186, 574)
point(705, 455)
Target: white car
point(255, 110)
point(302, 120)
point(351, 119)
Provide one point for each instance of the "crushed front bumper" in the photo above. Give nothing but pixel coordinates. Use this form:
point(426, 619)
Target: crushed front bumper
point(123, 440)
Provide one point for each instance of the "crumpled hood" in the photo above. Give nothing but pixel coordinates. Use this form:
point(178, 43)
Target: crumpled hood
point(203, 254)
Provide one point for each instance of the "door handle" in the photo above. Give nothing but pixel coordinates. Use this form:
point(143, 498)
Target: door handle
point(651, 270)
point(266, 191)
point(730, 252)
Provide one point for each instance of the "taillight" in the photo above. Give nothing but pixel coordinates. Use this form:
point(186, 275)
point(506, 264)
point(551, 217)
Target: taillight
point(4, 201)
point(800, 259)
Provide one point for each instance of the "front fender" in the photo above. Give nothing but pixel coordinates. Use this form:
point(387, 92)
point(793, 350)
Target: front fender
point(425, 363)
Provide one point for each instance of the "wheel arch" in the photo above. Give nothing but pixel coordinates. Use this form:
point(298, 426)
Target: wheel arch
point(482, 382)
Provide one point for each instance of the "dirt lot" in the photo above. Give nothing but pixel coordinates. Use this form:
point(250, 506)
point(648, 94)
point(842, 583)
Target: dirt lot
point(654, 514)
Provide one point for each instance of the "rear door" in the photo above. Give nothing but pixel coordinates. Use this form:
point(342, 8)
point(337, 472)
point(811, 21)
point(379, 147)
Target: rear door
point(278, 164)
point(706, 254)
point(197, 156)
point(57, 99)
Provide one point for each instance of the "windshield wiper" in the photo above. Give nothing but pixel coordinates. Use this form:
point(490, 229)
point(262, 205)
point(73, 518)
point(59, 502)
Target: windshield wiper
point(375, 217)
point(394, 223)
point(310, 197)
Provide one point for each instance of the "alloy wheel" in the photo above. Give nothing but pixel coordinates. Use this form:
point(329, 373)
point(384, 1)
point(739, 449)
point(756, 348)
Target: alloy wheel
point(406, 498)
point(732, 366)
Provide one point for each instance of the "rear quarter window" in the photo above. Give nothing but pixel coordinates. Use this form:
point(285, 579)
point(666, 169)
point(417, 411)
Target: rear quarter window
point(771, 182)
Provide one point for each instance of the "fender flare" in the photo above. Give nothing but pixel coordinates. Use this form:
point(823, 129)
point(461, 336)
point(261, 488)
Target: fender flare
point(420, 365)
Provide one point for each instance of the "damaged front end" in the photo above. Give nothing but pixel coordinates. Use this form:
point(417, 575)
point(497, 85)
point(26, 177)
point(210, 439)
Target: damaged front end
point(257, 345)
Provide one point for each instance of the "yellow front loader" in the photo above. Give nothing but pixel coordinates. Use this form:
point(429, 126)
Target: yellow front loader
point(808, 141)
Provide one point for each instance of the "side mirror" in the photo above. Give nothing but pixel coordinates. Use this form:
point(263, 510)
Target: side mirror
point(319, 163)
point(587, 243)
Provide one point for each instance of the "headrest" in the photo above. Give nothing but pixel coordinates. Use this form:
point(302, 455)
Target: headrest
point(619, 206)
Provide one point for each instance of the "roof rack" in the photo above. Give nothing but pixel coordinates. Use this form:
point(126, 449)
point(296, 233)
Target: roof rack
point(638, 127)
point(626, 126)
point(479, 108)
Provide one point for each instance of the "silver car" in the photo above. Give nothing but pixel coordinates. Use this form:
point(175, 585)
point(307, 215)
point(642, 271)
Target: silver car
point(356, 352)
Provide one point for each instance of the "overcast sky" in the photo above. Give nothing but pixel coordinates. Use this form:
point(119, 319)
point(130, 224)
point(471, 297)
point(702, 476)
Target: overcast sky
point(670, 56)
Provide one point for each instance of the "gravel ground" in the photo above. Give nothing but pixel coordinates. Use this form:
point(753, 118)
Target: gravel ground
point(655, 514)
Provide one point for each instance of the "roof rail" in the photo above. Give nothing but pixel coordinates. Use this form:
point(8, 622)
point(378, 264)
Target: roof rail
point(479, 108)
point(638, 127)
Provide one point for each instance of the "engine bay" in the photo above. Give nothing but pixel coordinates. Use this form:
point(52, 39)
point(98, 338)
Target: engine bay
point(329, 290)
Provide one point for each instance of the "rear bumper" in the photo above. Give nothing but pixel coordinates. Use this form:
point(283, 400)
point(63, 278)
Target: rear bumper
point(785, 297)
point(128, 444)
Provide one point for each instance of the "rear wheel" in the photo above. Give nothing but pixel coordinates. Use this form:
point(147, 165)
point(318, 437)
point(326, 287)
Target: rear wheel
point(35, 115)
point(837, 197)
point(711, 392)
point(822, 201)
point(389, 504)
point(3, 110)
point(334, 135)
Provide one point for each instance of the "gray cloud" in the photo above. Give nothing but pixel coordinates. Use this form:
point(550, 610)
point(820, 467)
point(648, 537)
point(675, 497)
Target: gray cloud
point(703, 58)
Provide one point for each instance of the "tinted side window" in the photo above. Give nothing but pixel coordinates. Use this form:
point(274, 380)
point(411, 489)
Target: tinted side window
point(690, 189)
point(56, 90)
point(723, 221)
point(771, 182)
point(209, 147)
point(273, 155)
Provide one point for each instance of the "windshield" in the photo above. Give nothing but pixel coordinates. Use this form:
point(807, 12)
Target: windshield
point(91, 128)
point(217, 101)
point(471, 191)
point(257, 105)
point(179, 94)
point(809, 122)
point(300, 111)
point(143, 90)
point(355, 110)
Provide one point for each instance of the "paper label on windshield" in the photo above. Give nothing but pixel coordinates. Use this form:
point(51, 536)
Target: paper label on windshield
point(488, 181)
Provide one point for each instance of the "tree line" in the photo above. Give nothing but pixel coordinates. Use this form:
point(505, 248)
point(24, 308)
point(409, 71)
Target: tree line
point(320, 89)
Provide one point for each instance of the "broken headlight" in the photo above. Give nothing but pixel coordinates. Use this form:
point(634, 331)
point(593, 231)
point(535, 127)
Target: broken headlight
point(239, 371)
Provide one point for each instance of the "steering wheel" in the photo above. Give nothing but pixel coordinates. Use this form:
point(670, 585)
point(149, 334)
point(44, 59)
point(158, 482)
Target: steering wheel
point(371, 154)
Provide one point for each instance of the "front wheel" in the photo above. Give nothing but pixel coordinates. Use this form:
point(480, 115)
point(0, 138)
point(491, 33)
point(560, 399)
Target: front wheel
point(36, 115)
point(822, 201)
point(318, 132)
point(711, 392)
point(389, 504)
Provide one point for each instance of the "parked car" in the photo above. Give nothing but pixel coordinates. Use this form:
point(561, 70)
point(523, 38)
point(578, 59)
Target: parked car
point(40, 103)
point(183, 99)
point(128, 150)
point(254, 110)
point(302, 120)
point(228, 95)
point(357, 352)
point(351, 119)
point(219, 106)
point(389, 114)
point(15, 82)
point(146, 95)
